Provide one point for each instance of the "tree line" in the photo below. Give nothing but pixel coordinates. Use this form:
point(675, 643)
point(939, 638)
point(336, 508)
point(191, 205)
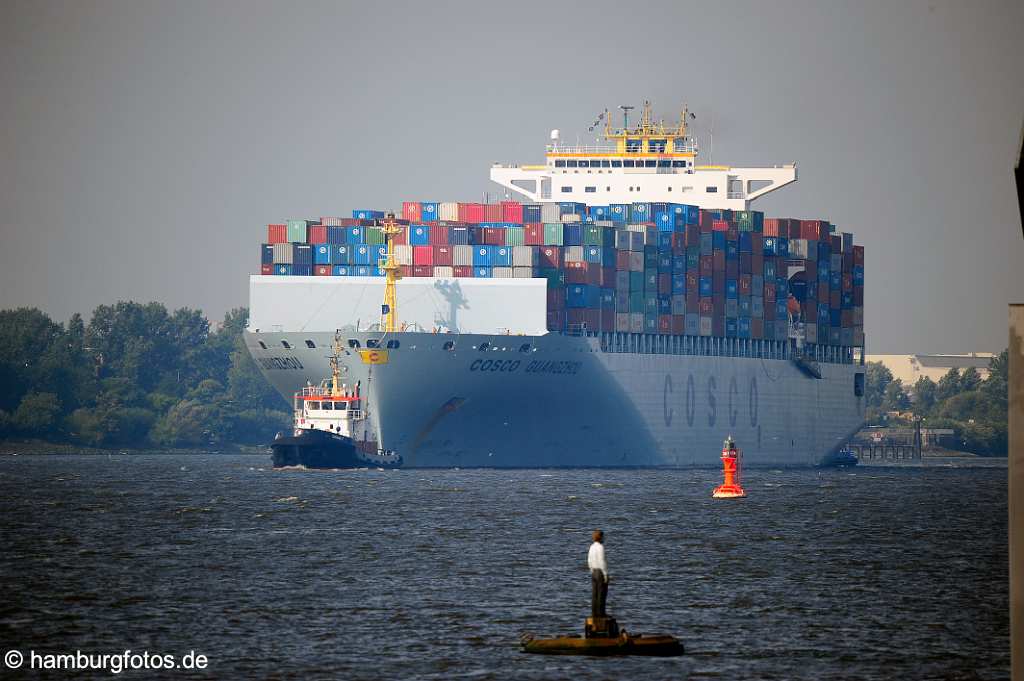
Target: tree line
point(135, 375)
point(974, 408)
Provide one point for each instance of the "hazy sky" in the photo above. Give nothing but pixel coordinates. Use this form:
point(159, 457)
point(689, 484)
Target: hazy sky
point(145, 145)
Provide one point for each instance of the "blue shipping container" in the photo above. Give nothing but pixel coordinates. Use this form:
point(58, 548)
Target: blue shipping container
point(745, 242)
point(340, 270)
point(355, 235)
point(302, 270)
point(360, 271)
point(419, 235)
point(341, 254)
point(706, 287)
point(283, 269)
point(641, 212)
point(572, 234)
point(619, 212)
point(731, 288)
point(501, 256)
point(743, 327)
point(531, 213)
point(428, 211)
point(368, 214)
point(718, 241)
point(582, 296)
point(337, 235)
point(482, 272)
point(678, 284)
point(482, 256)
point(730, 327)
point(592, 254)
point(302, 254)
point(322, 254)
point(267, 254)
point(361, 255)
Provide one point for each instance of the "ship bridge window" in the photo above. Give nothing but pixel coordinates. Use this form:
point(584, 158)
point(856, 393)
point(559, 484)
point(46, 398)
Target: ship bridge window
point(392, 344)
point(571, 163)
point(560, 163)
point(484, 346)
point(605, 163)
point(567, 190)
point(633, 146)
point(372, 343)
point(616, 163)
point(327, 405)
point(628, 163)
point(590, 190)
point(678, 164)
point(262, 344)
point(312, 405)
point(310, 344)
point(711, 190)
point(656, 146)
point(341, 406)
point(286, 345)
point(584, 164)
point(650, 163)
point(664, 164)
point(353, 343)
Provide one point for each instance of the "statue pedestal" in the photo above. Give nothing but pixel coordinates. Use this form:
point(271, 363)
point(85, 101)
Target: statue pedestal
point(601, 627)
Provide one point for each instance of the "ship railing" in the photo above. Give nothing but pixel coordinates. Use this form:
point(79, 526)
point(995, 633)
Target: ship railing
point(687, 147)
point(737, 195)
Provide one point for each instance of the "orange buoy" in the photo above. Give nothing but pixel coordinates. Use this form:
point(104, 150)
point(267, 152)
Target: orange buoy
point(731, 457)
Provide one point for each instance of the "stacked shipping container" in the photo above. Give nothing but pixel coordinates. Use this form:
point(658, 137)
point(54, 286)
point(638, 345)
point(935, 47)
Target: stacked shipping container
point(657, 268)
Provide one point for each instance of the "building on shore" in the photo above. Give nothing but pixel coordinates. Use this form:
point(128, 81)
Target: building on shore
point(909, 368)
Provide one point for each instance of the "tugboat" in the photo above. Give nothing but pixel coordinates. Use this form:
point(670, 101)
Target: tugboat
point(331, 428)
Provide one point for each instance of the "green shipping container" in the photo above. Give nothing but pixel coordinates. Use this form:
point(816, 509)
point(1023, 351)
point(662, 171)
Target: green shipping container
point(651, 282)
point(553, 234)
point(593, 235)
point(514, 236)
point(650, 323)
point(297, 231)
point(636, 282)
point(374, 236)
point(651, 306)
point(555, 277)
point(636, 302)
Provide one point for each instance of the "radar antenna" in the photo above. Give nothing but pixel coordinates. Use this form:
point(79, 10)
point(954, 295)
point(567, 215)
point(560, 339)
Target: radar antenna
point(626, 108)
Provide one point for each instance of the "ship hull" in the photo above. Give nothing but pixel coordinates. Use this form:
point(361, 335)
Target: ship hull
point(562, 401)
point(318, 449)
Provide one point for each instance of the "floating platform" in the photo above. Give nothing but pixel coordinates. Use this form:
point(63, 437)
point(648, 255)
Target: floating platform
point(603, 638)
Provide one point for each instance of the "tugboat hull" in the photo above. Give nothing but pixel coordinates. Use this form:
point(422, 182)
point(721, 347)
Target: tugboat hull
point(318, 449)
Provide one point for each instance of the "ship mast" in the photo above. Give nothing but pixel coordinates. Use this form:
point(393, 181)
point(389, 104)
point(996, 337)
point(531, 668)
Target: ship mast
point(335, 368)
point(392, 273)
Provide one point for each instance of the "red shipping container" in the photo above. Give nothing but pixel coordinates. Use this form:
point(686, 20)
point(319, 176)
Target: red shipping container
point(423, 270)
point(858, 295)
point(439, 234)
point(316, 234)
point(608, 277)
point(422, 255)
point(266, 269)
point(322, 271)
point(706, 306)
point(350, 222)
point(472, 213)
point(769, 293)
point(835, 300)
point(556, 320)
point(411, 211)
point(718, 306)
point(442, 256)
point(822, 292)
point(812, 229)
point(551, 256)
point(664, 323)
point(556, 298)
point(858, 255)
point(732, 234)
point(402, 237)
point(705, 220)
point(492, 212)
point(405, 270)
point(810, 272)
point(756, 327)
point(718, 261)
point(848, 262)
point(718, 282)
point(771, 227)
point(692, 303)
point(692, 238)
point(277, 234)
point(757, 263)
point(494, 236)
point(584, 318)
point(846, 319)
point(678, 324)
point(664, 284)
point(608, 320)
point(757, 243)
point(719, 226)
point(583, 273)
point(707, 265)
point(847, 278)
point(744, 261)
point(511, 211)
point(622, 260)
point(678, 244)
point(692, 281)
point(769, 312)
point(533, 234)
point(744, 284)
point(463, 271)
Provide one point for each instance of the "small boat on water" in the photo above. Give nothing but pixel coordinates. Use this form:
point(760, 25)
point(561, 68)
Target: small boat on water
point(840, 458)
point(602, 637)
point(331, 428)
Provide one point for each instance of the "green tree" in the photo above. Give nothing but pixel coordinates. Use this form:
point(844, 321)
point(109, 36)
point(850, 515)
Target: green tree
point(38, 414)
point(876, 378)
point(895, 397)
point(924, 396)
point(948, 385)
point(970, 380)
point(995, 386)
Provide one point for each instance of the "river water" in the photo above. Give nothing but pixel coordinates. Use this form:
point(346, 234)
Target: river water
point(875, 573)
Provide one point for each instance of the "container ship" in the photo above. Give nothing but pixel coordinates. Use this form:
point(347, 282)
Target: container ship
point(631, 310)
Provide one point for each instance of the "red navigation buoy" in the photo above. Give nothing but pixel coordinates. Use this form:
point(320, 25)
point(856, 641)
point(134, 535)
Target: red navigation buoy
point(731, 457)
